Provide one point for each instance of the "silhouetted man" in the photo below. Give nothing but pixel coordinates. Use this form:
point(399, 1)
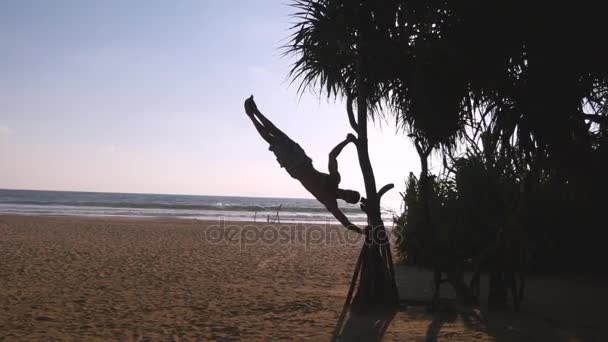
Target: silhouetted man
point(299, 166)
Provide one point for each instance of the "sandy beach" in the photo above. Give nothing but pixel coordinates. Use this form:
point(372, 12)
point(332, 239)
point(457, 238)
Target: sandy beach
point(68, 278)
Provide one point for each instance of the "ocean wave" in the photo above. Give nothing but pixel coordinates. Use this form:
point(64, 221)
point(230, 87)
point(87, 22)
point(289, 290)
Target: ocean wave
point(32, 209)
point(184, 206)
point(31, 202)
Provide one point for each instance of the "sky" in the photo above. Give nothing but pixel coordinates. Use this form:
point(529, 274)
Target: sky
point(147, 96)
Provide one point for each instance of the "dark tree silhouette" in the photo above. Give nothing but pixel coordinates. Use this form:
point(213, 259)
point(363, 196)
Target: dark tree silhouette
point(332, 46)
point(536, 77)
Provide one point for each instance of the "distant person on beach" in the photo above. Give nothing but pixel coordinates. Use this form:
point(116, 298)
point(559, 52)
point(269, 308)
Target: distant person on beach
point(299, 166)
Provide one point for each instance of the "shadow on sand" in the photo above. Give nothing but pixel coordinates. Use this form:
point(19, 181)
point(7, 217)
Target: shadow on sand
point(369, 326)
point(503, 325)
point(500, 325)
point(557, 308)
point(439, 319)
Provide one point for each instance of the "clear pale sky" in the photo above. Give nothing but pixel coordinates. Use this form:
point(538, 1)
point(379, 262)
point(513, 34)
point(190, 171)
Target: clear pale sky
point(147, 96)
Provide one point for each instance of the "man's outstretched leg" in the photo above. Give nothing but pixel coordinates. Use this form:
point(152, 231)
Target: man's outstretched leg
point(262, 130)
point(252, 111)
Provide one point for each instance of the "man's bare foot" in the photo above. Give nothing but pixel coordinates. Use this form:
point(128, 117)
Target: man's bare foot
point(250, 106)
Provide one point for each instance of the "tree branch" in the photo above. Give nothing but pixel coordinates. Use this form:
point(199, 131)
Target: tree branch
point(384, 189)
point(351, 115)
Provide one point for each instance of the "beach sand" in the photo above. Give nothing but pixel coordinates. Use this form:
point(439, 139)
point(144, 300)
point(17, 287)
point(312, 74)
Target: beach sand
point(68, 278)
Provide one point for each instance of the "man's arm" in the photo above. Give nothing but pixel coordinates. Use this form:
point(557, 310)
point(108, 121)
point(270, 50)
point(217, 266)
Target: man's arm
point(339, 215)
point(333, 155)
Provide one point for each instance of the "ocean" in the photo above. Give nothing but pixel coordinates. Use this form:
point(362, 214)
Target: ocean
point(232, 208)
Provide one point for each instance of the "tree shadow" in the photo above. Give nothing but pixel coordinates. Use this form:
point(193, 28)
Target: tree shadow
point(501, 325)
point(508, 325)
point(556, 309)
point(547, 313)
point(369, 326)
point(439, 319)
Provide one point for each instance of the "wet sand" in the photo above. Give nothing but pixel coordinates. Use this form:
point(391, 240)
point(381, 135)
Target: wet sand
point(69, 278)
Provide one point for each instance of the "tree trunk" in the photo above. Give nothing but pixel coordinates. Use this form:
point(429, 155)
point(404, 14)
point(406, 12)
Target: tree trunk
point(497, 295)
point(434, 249)
point(377, 285)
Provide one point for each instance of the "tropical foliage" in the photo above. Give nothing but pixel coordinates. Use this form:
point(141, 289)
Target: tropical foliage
point(514, 100)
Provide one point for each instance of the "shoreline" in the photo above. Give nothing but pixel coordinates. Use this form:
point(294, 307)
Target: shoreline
point(132, 218)
point(239, 208)
point(121, 218)
point(231, 208)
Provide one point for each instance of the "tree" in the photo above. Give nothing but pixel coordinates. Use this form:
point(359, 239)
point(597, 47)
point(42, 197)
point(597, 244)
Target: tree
point(535, 76)
point(331, 44)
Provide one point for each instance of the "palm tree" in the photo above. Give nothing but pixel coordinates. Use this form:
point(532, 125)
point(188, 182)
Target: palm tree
point(332, 45)
point(443, 68)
